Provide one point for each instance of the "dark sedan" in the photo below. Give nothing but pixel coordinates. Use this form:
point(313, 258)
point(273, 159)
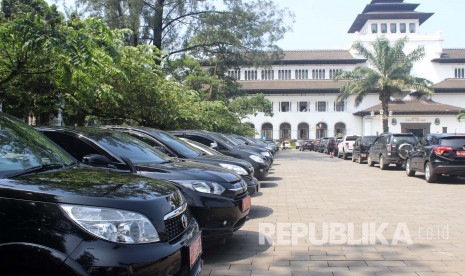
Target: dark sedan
point(62, 218)
point(436, 155)
point(217, 197)
point(361, 147)
point(258, 161)
point(175, 147)
point(307, 145)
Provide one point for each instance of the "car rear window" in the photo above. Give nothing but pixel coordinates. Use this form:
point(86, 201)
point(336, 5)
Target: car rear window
point(453, 141)
point(402, 139)
point(351, 138)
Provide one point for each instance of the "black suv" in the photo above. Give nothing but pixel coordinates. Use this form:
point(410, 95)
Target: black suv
point(217, 197)
point(390, 148)
point(60, 217)
point(175, 147)
point(437, 154)
point(210, 139)
point(361, 147)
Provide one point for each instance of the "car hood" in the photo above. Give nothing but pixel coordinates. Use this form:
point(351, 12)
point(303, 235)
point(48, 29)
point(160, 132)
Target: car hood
point(216, 159)
point(188, 171)
point(84, 185)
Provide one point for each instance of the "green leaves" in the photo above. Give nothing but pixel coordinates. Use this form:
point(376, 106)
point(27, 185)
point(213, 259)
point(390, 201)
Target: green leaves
point(388, 73)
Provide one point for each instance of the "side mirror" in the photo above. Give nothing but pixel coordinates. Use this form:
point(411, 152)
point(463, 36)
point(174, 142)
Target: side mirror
point(214, 145)
point(96, 160)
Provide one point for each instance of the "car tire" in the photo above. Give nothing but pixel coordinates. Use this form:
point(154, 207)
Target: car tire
point(344, 156)
point(382, 165)
point(430, 176)
point(370, 162)
point(408, 169)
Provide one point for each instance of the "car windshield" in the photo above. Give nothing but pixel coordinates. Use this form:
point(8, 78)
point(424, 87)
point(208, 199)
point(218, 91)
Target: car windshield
point(176, 143)
point(226, 140)
point(23, 148)
point(351, 138)
point(456, 142)
point(121, 144)
point(368, 140)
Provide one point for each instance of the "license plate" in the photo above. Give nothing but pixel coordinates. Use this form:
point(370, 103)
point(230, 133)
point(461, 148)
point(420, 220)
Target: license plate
point(195, 249)
point(246, 202)
point(461, 153)
point(364, 155)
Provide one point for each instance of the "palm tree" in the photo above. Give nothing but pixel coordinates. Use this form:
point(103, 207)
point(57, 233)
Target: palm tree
point(461, 114)
point(388, 74)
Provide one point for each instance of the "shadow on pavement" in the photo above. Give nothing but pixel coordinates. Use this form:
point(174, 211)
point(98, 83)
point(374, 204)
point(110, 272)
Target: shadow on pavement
point(258, 211)
point(268, 185)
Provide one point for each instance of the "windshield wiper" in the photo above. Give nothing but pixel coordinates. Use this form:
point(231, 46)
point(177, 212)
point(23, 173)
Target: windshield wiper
point(35, 169)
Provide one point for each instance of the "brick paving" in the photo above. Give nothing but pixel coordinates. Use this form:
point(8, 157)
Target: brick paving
point(308, 187)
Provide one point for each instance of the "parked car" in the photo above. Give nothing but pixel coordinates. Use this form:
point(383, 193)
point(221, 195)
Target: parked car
point(321, 145)
point(175, 147)
point(60, 217)
point(285, 145)
point(329, 146)
point(298, 144)
point(307, 145)
point(255, 142)
point(361, 147)
point(390, 148)
point(260, 164)
point(436, 155)
point(345, 147)
point(218, 198)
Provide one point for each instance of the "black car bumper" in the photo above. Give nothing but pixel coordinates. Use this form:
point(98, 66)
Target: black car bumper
point(252, 184)
point(218, 216)
point(441, 168)
point(261, 171)
point(100, 257)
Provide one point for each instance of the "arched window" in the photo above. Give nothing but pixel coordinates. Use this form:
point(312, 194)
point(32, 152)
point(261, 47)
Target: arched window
point(285, 131)
point(339, 130)
point(303, 130)
point(321, 130)
point(267, 131)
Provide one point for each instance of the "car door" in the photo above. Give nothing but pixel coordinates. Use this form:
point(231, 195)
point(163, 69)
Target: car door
point(376, 149)
point(417, 155)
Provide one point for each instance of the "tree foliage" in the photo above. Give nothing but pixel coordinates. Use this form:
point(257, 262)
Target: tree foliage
point(388, 74)
point(86, 69)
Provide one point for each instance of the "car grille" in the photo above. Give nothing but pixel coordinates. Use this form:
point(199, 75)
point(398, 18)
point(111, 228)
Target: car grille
point(247, 177)
point(174, 226)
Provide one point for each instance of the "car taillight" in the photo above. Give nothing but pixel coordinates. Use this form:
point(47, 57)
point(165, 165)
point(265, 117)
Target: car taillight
point(441, 150)
point(389, 147)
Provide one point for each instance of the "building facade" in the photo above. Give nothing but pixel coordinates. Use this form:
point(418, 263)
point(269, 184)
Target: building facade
point(303, 91)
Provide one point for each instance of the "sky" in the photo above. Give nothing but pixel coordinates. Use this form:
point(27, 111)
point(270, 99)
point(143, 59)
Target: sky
point(323, 24)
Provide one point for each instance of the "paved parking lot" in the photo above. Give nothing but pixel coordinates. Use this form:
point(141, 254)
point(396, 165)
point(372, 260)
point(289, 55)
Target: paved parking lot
point(345, 199)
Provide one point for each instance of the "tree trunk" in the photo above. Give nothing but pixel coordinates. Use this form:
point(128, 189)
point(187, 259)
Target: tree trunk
point(158, 23)
point(385, 116)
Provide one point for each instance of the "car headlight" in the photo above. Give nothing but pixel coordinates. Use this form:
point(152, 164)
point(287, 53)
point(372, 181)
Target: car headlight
point(201, 186)
point(236, 169)
point(257, 159)
point(112, 224)
point(265, 153)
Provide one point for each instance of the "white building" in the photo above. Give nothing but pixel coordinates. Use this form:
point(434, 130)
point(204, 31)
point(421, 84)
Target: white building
point(303, 92)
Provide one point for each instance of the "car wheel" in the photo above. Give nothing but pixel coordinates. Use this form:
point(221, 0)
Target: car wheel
point(344, 156)
point(382, 165)
point(430, 176)
point(370, 162)
point(408, 169)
